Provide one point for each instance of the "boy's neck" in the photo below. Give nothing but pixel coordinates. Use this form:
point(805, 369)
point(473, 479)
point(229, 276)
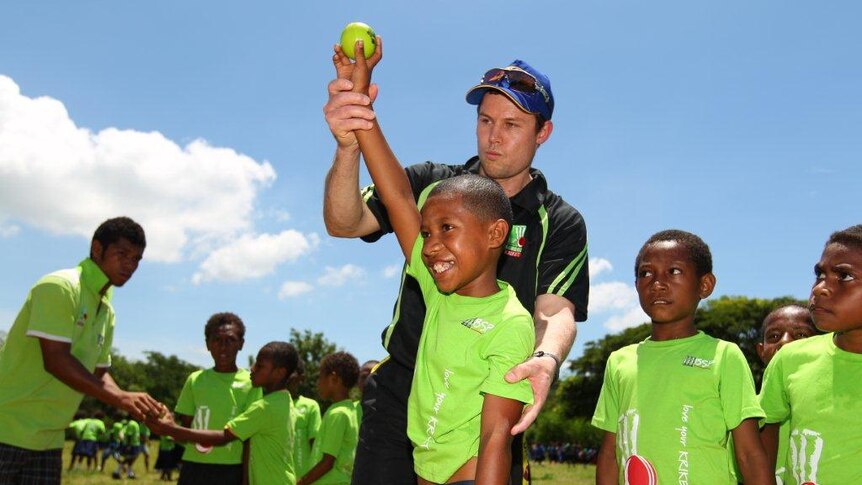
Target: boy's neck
point(850, 341)
point(340, 394)
point(226, 368)
point(484, 285)
point(672, 331)
point(269, 389)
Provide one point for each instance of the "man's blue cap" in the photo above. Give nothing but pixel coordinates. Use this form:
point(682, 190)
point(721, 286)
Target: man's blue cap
point(531, 102)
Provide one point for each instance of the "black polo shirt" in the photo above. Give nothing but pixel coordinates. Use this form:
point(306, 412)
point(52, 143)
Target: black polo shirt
point(546, 253)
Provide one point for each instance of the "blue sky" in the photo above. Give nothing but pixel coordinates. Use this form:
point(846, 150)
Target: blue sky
point(738, 121)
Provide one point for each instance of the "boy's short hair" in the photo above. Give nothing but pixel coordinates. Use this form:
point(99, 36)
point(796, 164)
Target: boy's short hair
point(219, 320)
point(344, 365)
point(118, 228)
point(784, 308)
point(481, 195)
point(851, 237)
point(698, 250)
point(282, 354)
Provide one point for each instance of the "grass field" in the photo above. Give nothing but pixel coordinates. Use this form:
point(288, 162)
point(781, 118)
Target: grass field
point(546, 474)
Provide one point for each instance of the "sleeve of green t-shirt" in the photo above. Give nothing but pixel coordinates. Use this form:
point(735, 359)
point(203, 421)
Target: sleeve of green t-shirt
point(250, 422)
point(337, 423)
point(53, 310)
point(186, 401)
point(254, 395)
point(417, 269)
point(773, 396)
point(313, 422)
point(607, 411)
point(736, 388)
point(105, 356)
point(510, 345)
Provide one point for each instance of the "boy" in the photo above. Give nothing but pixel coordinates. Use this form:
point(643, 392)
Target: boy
point(813, 384)
point(212, 397)
point(335, 446)
point(668, 404)
point(58, 350)
point(306, 413)
point(129, 450)
point(266, 424)
point(475, 328)
point(92, 431)
point(783, 325)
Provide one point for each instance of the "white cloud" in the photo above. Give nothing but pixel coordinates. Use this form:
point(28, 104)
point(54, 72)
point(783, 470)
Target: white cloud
point(631, 318)
point(9, 230)
point(253, 256)
point(599, 266)
point(340, 276)
point(613, 295)
point(392, 271)
point(293, 288)
point(67, 179)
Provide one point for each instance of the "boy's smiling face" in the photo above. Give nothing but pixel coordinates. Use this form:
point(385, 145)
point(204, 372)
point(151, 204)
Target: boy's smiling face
point(459, 247)
point(836, 298)
point(669, 288)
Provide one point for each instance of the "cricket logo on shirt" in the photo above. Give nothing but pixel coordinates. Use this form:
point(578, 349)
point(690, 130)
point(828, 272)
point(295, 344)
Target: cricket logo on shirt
point(639, 471)
point(517, 241)
point(478, 325)
point(804, 449)
point(202, 418)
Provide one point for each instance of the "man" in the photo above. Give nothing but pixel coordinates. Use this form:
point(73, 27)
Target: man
point(545, 259)
point(59, 349)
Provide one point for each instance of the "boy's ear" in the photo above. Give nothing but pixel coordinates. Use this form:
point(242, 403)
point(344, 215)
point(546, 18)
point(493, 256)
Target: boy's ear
point(498, 232)
point(707, 284)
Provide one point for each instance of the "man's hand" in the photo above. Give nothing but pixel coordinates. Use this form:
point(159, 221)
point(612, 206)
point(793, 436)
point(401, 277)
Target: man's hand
point(346, 111)
point(540, 371)
point(140, 405)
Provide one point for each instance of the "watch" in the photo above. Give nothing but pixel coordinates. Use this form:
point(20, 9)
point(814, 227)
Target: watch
point(542, 353)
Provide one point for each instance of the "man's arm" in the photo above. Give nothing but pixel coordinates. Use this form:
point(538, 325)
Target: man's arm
point(554, 319)
point(60, 363)
point(344, 212)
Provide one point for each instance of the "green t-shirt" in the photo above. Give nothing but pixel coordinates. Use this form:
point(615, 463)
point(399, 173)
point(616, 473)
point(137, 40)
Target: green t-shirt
point(268, 423)
point(814, 385)
point(77, 427)
point(65, 306)
point(338, 436)
point(673, 403)
point(93, 429)
point(132, 433)
point(466, 348)
point(212, 399)
point(117, 430)
point(306, 414)
point(167, 443)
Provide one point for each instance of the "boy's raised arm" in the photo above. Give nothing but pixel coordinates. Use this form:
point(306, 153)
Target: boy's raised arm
point(386, 172)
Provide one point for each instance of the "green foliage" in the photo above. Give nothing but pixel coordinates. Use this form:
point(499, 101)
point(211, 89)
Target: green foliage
point(733, 318)
point(312, 347)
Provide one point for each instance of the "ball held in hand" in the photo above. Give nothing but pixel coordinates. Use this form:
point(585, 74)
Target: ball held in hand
point(358, 31)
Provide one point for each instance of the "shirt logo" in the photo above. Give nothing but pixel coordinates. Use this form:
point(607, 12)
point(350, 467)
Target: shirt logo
point(517, 241)
point(478, 325)
point(692, 361)
point(82, 318)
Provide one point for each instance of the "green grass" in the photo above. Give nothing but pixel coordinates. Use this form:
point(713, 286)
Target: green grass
point(544, 474)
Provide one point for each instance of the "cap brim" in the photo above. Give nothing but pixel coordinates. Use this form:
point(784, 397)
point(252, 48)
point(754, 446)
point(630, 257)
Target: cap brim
point(477, 92)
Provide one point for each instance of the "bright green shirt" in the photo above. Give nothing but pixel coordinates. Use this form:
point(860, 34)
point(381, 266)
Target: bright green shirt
point(65, 306)
point(338, 436)
point(93, 429)
point(212, 399)
point(673, 403)
point(167, 443)
point(77, 427)
point(306, 413)
point(117, 430)
point(814, 386)
point(466, 348)
point(269, 426)
point(132, 433)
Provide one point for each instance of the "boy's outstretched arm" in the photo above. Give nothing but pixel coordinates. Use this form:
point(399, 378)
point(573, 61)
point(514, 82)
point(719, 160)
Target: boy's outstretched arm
point(750, 455)
point(206, 437)
point(386, 172)
point(322, 468)
point(607, 471)
point(499, 415)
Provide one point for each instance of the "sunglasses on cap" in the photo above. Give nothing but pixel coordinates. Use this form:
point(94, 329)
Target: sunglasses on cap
point(517, 80)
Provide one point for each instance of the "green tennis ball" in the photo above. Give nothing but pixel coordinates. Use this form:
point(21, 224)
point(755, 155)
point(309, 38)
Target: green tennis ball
point(358, 31)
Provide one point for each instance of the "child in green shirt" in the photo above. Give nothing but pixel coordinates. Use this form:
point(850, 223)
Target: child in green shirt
point(461, 410)
point(335, 446)
point(669, 404)
point(812, 385)
point(306, 421)
point(267, 424)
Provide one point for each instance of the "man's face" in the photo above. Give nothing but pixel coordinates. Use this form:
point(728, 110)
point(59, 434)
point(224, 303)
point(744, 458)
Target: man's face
point(507, 139)
point(118, 260)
